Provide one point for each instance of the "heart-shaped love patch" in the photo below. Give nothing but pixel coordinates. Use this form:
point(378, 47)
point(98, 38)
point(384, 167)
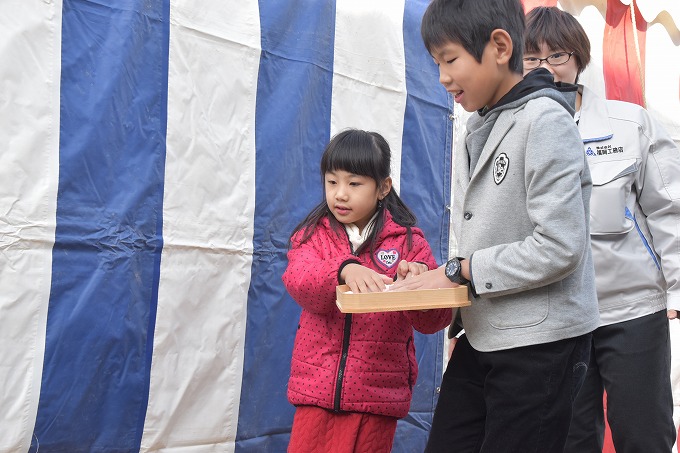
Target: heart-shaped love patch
point(388, 257)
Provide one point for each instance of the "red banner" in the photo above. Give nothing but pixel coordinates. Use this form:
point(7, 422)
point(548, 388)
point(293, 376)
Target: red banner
point(624, 71)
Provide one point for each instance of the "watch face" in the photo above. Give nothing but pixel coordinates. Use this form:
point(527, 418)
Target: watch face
point(452, 269)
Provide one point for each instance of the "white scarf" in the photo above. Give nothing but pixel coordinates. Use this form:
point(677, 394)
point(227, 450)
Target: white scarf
point(358, 238)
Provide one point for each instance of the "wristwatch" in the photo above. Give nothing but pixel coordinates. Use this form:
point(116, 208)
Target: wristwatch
point(452, 271)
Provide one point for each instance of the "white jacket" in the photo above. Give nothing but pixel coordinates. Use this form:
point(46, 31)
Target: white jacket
point(634, 209)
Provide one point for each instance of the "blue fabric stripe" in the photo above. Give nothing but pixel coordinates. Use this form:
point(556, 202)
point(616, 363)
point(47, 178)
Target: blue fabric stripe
point(427, 138)
point(108, 235)
point(164, 53)
point(292, 126)
point(630, 216)
point(425, 187)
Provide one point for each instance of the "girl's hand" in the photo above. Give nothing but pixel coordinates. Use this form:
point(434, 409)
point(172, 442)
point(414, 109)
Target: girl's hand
point(406, 269)
point(672, 314)
point(361, 279)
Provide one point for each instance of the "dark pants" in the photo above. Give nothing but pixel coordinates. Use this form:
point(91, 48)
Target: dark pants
point(517, 400)
point(631, 362)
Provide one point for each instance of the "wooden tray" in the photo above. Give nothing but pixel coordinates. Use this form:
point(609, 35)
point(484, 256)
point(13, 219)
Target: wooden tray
point(400, 300)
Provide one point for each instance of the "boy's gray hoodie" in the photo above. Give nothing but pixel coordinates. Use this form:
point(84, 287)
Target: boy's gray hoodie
point(521, 210)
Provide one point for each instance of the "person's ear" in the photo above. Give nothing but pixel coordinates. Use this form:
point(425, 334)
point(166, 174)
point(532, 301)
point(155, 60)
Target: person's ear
point(385, 187)
point(502, 45)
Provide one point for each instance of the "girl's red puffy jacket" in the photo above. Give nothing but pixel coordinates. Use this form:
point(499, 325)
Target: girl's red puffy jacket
point(354, 362)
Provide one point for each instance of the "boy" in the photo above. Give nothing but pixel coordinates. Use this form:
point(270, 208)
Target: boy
point(521, 207)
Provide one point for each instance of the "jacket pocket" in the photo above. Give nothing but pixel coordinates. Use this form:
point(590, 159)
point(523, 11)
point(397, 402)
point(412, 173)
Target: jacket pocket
point(612, 184)
point(513, 311)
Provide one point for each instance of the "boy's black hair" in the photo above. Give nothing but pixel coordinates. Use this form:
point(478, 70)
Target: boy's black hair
point(470, 23)
point(558, 30)
point(367, 154)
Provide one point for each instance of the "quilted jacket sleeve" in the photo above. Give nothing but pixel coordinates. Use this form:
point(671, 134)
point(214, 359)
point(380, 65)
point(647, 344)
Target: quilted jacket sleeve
point(311, 277)
point(429, 321)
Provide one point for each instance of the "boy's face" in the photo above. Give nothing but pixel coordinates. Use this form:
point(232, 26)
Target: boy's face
point(566, 72)
point(473, 85)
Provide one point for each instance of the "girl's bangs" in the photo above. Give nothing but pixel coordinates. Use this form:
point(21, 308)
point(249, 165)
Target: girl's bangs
point(358, 160)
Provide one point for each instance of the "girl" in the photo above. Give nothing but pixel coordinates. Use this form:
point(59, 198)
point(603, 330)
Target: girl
point(634, 227)
point(352, 374)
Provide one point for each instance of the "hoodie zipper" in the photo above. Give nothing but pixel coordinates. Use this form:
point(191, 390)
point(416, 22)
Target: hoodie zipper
point(408, 343)
point(343, 360)
point(345, 346)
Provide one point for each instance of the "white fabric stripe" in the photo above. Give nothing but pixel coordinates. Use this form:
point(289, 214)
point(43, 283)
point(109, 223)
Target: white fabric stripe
point(593, 23)
point(208, 222)
point(369, 83)
point(460, 119)
point(650, 9)
point(30, 51)
point(662, 79)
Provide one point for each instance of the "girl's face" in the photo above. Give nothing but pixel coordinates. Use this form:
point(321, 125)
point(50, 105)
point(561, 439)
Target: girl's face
point(353, 198)
point(566, 72)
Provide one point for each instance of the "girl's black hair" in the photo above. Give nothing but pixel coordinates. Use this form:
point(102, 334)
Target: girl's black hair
point(366, 154)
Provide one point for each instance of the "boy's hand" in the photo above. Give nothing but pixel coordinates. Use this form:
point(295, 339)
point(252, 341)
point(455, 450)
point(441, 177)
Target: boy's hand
point(672, 314)
point(361, 279)
point(433, 279)
point(406, 269)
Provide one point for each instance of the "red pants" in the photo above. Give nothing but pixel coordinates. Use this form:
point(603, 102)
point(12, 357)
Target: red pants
point(317, 430)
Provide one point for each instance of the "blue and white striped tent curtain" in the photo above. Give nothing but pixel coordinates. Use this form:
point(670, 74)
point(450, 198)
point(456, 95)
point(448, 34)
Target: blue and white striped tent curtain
point(155, 156)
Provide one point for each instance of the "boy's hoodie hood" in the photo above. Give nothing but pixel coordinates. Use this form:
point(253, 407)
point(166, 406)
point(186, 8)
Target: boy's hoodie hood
point(537, 83)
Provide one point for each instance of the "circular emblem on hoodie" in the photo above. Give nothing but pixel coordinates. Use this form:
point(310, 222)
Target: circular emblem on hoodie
point(500, 168)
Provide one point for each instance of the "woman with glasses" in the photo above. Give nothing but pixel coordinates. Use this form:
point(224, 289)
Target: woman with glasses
point(635, 237)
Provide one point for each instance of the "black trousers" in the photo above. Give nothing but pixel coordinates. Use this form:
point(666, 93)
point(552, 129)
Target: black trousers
point(631, 362)
point(517, 400)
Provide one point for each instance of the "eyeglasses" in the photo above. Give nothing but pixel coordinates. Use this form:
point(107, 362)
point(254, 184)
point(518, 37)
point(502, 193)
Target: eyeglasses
point(555, 59)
